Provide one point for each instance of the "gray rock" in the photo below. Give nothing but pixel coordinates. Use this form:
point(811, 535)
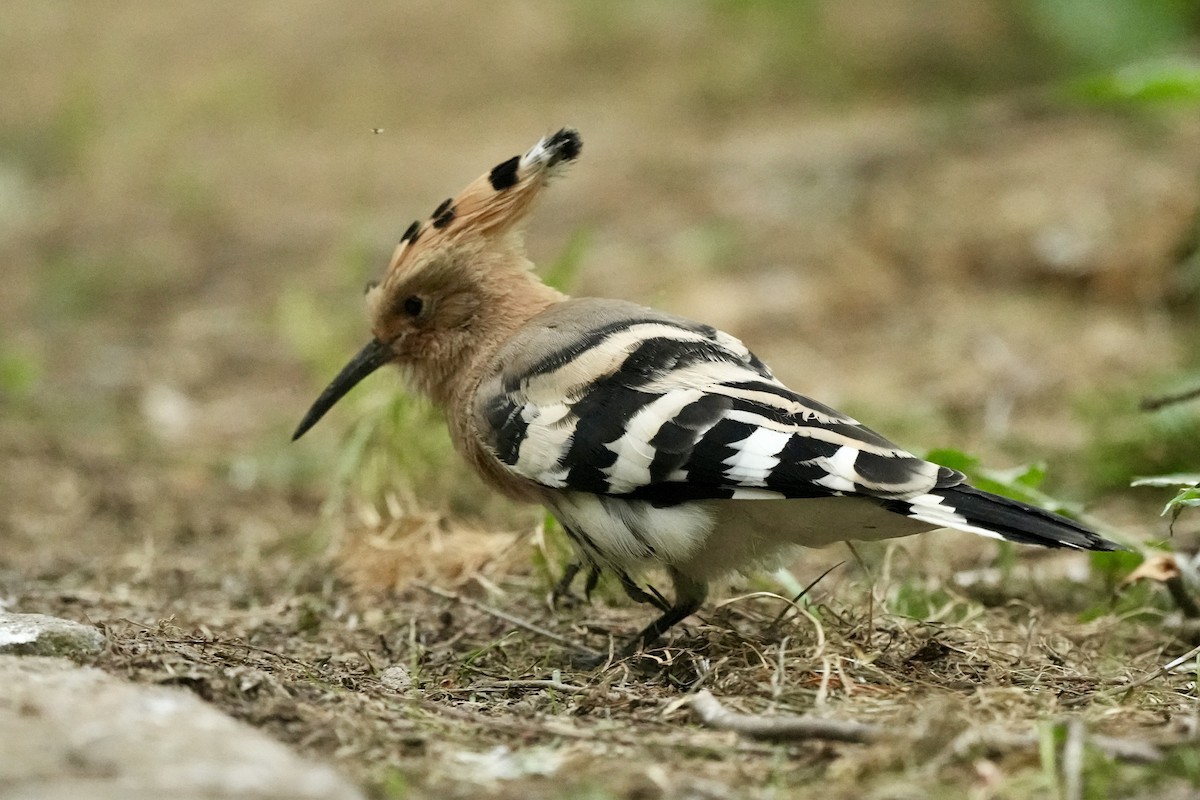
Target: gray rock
point(41, 635)
point(396, 678)
point(76, 732)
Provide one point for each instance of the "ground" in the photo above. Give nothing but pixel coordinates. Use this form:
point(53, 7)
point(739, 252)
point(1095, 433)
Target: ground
point(952, 247)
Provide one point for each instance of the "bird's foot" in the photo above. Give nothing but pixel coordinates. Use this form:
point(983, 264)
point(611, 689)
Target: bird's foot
point(562, 595)
point(589, 662)
point(637, 594)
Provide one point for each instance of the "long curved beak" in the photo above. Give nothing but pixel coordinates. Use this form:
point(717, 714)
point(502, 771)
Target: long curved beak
point(369, 359)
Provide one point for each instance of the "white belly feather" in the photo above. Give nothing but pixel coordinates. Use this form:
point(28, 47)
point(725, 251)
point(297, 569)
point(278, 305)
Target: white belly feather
point(705, 539)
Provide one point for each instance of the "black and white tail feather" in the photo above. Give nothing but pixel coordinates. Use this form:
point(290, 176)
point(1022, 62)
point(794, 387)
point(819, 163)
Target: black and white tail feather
point(965, 508)
point(655, 440)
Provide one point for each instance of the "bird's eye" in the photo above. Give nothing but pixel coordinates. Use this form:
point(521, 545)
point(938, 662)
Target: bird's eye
point(413, 305)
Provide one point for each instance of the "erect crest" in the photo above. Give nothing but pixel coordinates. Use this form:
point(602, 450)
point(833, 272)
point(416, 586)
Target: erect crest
point(493, 203)
point(470, 223)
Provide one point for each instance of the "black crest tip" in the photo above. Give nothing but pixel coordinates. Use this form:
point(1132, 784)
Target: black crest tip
point(564, 146)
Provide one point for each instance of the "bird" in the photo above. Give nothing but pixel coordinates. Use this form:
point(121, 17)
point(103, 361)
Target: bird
point(654, 440)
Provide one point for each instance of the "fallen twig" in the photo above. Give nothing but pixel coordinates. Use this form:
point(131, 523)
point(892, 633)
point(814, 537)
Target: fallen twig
point(792, 728)
point(1162, 401)
point(609, 734)
point(195, 642)
point(557, 686)
point(511, 619)
point(999, 742)
point(508, 686)
point(797, 728)
point(1151, 676)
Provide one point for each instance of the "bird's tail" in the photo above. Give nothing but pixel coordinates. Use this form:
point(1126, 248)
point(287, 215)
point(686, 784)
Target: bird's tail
point(966, 508)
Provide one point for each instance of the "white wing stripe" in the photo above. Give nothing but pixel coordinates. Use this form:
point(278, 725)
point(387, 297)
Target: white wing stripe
point(546, 439)
point(573, 377)
point(633, 449)
point(932, 509)
point(756, 456)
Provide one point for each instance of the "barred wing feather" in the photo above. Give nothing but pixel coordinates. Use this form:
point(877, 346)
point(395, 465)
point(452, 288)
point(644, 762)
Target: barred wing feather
point(645, 405)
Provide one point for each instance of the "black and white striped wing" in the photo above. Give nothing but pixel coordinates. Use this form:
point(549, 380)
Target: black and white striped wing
point(650, 406)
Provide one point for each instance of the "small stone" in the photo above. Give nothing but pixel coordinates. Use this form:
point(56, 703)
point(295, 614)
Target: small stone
point(71, 731)
point(42, 635)
point(396, 678)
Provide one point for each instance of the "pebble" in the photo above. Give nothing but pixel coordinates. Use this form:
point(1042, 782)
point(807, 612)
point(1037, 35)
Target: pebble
point(42, 635)
point(396, 678)
point(71, 731)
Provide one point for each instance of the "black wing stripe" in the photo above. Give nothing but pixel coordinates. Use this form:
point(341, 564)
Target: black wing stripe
point(706, 464)
point(601, 416)
point(840, 432)
point(886, 471)
point(798, 465)
point(789, 398)
point(659, 357)
point(504, 417)
point(676, 439)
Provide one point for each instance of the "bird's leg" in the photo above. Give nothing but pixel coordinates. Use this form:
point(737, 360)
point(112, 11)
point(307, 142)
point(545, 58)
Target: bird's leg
point(639, 595)
point(689, 595)
point(593, 577)
point(563, 587)
point(662, 603)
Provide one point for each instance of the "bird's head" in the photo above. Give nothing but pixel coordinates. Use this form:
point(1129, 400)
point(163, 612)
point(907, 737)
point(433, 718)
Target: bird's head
point(457, 281)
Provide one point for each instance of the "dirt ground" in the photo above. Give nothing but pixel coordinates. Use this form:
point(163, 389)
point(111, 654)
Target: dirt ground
point(897, 208)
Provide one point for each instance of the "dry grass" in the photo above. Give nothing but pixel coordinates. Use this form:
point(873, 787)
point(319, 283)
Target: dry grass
point(456, 700)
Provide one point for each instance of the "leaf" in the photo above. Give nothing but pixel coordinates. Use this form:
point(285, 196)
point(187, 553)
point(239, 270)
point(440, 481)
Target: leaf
point(20, 372)
point(954, 459)
point(1019, 483)
point(1113, 565)
point(1160, 569)
point(1159, 80)
point(1029, 476)
point(1187, 498)
point(1177, 479)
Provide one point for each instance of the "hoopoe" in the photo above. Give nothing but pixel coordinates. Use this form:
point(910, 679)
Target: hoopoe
point(654, 440)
